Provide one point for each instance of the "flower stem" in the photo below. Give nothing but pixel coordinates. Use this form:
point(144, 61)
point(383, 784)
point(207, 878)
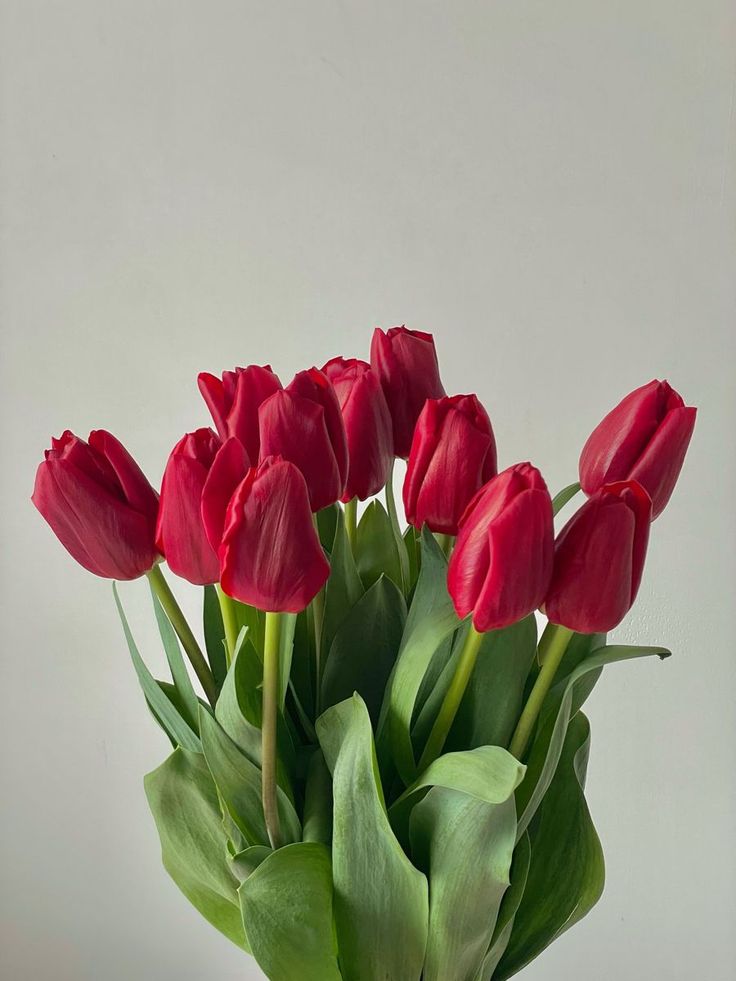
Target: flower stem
point(178, 621)
point(351, 520)
point(451, 702)
point(555, 648)
point(274, 623)
point(229, 621)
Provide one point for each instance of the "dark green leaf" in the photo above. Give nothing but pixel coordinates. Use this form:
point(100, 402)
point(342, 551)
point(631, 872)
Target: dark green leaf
point(344, 587)
point(509, 906)
point(179, 674)
point(214, 635)
point(375, 546)
point(326, 525)
point(318, 801)
point(565, 495)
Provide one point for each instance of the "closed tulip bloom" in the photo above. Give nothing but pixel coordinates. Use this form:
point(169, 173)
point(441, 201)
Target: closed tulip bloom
point(501, 565)
point(645, 438)
point(234, 401)
point(271, 556)
point(180, 532)
point(599, 559)
point(228, 469)
point(303, 424)
point(453, 454)
point(98, 504)
point(367, 426)
point(406, 362)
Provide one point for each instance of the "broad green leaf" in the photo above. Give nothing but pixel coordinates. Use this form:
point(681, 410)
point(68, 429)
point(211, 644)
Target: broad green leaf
point(254, 622)
point(244, 863)
point(364, 650)
point(566, 871)
point(562, 702)
point(162, 707)
point(286, 650)
point(344, 587)
point(326, 525)
point(239, 783)
point(214, 635)
point(287, 913)
point(431, 620)
point(565, 495)
point(183, 800)
point(509, 905)
point(317, 824)
point(179, 674)
point(375, 547)
point(401, 549)
point(381, 901)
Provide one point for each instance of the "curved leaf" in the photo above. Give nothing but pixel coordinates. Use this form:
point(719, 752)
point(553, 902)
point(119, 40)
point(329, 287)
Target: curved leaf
point(214, 635)
point(343, 588)
point(510, 904)
point(179, 674)
point(376, 550)
point(565, 495)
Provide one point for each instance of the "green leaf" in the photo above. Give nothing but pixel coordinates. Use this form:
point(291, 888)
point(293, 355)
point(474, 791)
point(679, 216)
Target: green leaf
point(411, 544)
point(565, 495)
point(326, 525)
point(179, 674)
point(184, 803)
point(246, 862)
point(563, 701)
point(287, 912)
point(401, 548)
point(364, 650)
point(566, 871)
point(381, 902)
point(162, 707)
point(214, 635)
point(286, 650)
point(317, 825)
point(509, 905)
point(375, 546)
point(344, 587)
point(239, 783)
point(431, 619)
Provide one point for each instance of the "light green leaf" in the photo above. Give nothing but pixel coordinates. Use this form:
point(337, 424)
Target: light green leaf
point(287, 912)
point(431, 619)
point(214, 635)
point(563, 701)
point(381, 902)
point(365, 647)
point(162, 707)
point(183, 800)
point(509, 906)
point(566, 872)
point(179, 673)
point(565, 495)
point(375, 547)
point(246, 862)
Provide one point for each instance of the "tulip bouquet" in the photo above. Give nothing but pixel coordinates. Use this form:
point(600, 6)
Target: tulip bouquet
point(382, 776)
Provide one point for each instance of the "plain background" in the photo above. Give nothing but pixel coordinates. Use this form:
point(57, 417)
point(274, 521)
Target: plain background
point(549, 188)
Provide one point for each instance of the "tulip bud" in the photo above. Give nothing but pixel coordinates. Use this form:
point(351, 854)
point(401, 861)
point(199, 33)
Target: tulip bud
point(502, 561)
point(271, 556)
point(229, 467)
point(599, 559)
point(367, 426)
point(98, 504)
point(303, 424)
point(644, 438)
point(406, 362)
point(453, 454)
point(234, 401)
point(180, 533)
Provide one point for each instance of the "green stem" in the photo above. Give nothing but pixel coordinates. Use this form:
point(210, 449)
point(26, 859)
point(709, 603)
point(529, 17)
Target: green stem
point(230, 622)
point(274, 623)
point(193, 651)
point(554, 651)
point(544, 641)
point(351, 520)
point(451, 702)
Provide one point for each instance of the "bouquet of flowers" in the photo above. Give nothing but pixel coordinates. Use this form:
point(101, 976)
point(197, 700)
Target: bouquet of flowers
point(382, 778)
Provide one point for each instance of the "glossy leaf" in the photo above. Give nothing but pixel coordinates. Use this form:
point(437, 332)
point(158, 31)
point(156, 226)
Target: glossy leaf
point(381, 902)
point(287, 912)
point(375, 548)
point(183, 800)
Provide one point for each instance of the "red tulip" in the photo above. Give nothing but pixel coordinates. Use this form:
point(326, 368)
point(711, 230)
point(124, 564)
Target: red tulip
point(303, 424)
point(271, 555)
point(406, 362)
point(453, 454)
point(367, 426)
point(502, 561)
point(234, 401)
point(180, 533)
point(599, 559)
point(229, 467)
point(644, 438)
point(99, 505)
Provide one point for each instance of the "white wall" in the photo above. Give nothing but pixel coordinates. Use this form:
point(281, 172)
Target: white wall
point(549, 187)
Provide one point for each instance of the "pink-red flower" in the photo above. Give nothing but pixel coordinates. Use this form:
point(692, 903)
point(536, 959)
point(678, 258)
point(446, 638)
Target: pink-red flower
point(234, 401)
point(229, 467)
point(599, 559)
point(501, 565)
point(406, 362)
point(270, 553)
point(453, 454)
point(98, 504)
point(367, 426)
point(303, 424)
point(180, 532)
point(644, 438)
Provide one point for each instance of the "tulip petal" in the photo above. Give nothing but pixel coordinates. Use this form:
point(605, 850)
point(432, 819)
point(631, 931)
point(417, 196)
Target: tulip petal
point(227, 471)
point(659, 466)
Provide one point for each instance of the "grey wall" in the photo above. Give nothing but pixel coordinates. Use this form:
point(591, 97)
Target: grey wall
point(549, 187)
